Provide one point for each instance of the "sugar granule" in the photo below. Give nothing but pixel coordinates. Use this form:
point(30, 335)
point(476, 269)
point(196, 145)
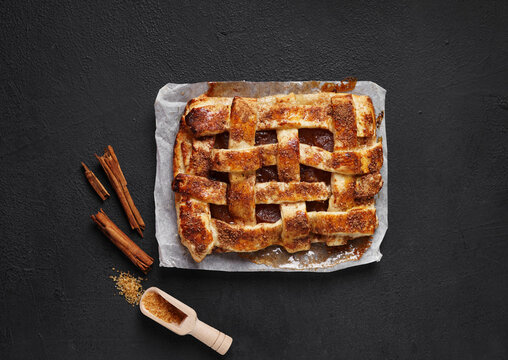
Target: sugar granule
point(128, 286)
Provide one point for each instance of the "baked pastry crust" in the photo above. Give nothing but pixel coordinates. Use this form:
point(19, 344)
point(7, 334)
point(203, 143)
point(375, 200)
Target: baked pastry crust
point(354, 164)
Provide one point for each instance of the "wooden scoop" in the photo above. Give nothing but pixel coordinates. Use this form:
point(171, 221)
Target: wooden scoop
point(212, 337)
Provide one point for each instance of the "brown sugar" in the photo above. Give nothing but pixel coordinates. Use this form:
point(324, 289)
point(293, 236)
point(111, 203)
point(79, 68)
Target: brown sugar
point(128, 286)
point(162, 309)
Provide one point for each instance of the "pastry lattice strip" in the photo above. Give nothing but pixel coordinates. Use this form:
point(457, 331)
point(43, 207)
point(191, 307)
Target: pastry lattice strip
point(354, 163)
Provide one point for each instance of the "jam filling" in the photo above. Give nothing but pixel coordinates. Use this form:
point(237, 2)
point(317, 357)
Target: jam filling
point(266, 137)
point(317, 205)
point(219, 176)
point(267, 213)
point(266, 174)
point(310, 174)
point(221, 141)
point(221, 212)
point(317, 137)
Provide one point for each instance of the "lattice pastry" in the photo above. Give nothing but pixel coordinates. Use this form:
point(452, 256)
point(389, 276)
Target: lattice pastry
point(286, 170)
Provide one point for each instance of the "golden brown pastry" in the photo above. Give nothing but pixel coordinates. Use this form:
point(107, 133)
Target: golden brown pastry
point(286, 170)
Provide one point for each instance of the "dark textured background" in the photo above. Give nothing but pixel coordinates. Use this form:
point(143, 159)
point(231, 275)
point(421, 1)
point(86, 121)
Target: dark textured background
point(76, 76)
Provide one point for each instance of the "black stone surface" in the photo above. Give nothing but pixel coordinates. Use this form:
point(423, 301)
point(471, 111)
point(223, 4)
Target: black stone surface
point(76, 76)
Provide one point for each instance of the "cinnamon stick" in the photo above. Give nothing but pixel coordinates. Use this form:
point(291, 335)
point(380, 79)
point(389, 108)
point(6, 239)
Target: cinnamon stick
point(111, 166)
point(96, 184)
point(141, 259)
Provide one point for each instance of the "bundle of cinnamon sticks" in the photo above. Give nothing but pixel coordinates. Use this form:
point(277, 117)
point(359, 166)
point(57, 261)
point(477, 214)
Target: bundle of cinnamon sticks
point(111, 166)
point(109, 163)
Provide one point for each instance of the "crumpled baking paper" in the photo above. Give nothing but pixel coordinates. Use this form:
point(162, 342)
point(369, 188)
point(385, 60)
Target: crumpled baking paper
point(169, 106)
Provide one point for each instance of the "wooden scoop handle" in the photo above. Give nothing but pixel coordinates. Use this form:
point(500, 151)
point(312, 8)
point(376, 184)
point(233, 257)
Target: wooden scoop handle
point(212, 337)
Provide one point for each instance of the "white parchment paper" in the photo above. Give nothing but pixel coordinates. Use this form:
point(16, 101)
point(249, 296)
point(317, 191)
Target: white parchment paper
point(169, 106)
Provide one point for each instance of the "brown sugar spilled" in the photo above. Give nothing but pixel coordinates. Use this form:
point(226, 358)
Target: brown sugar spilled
point(162, 309)
point(128, 286)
